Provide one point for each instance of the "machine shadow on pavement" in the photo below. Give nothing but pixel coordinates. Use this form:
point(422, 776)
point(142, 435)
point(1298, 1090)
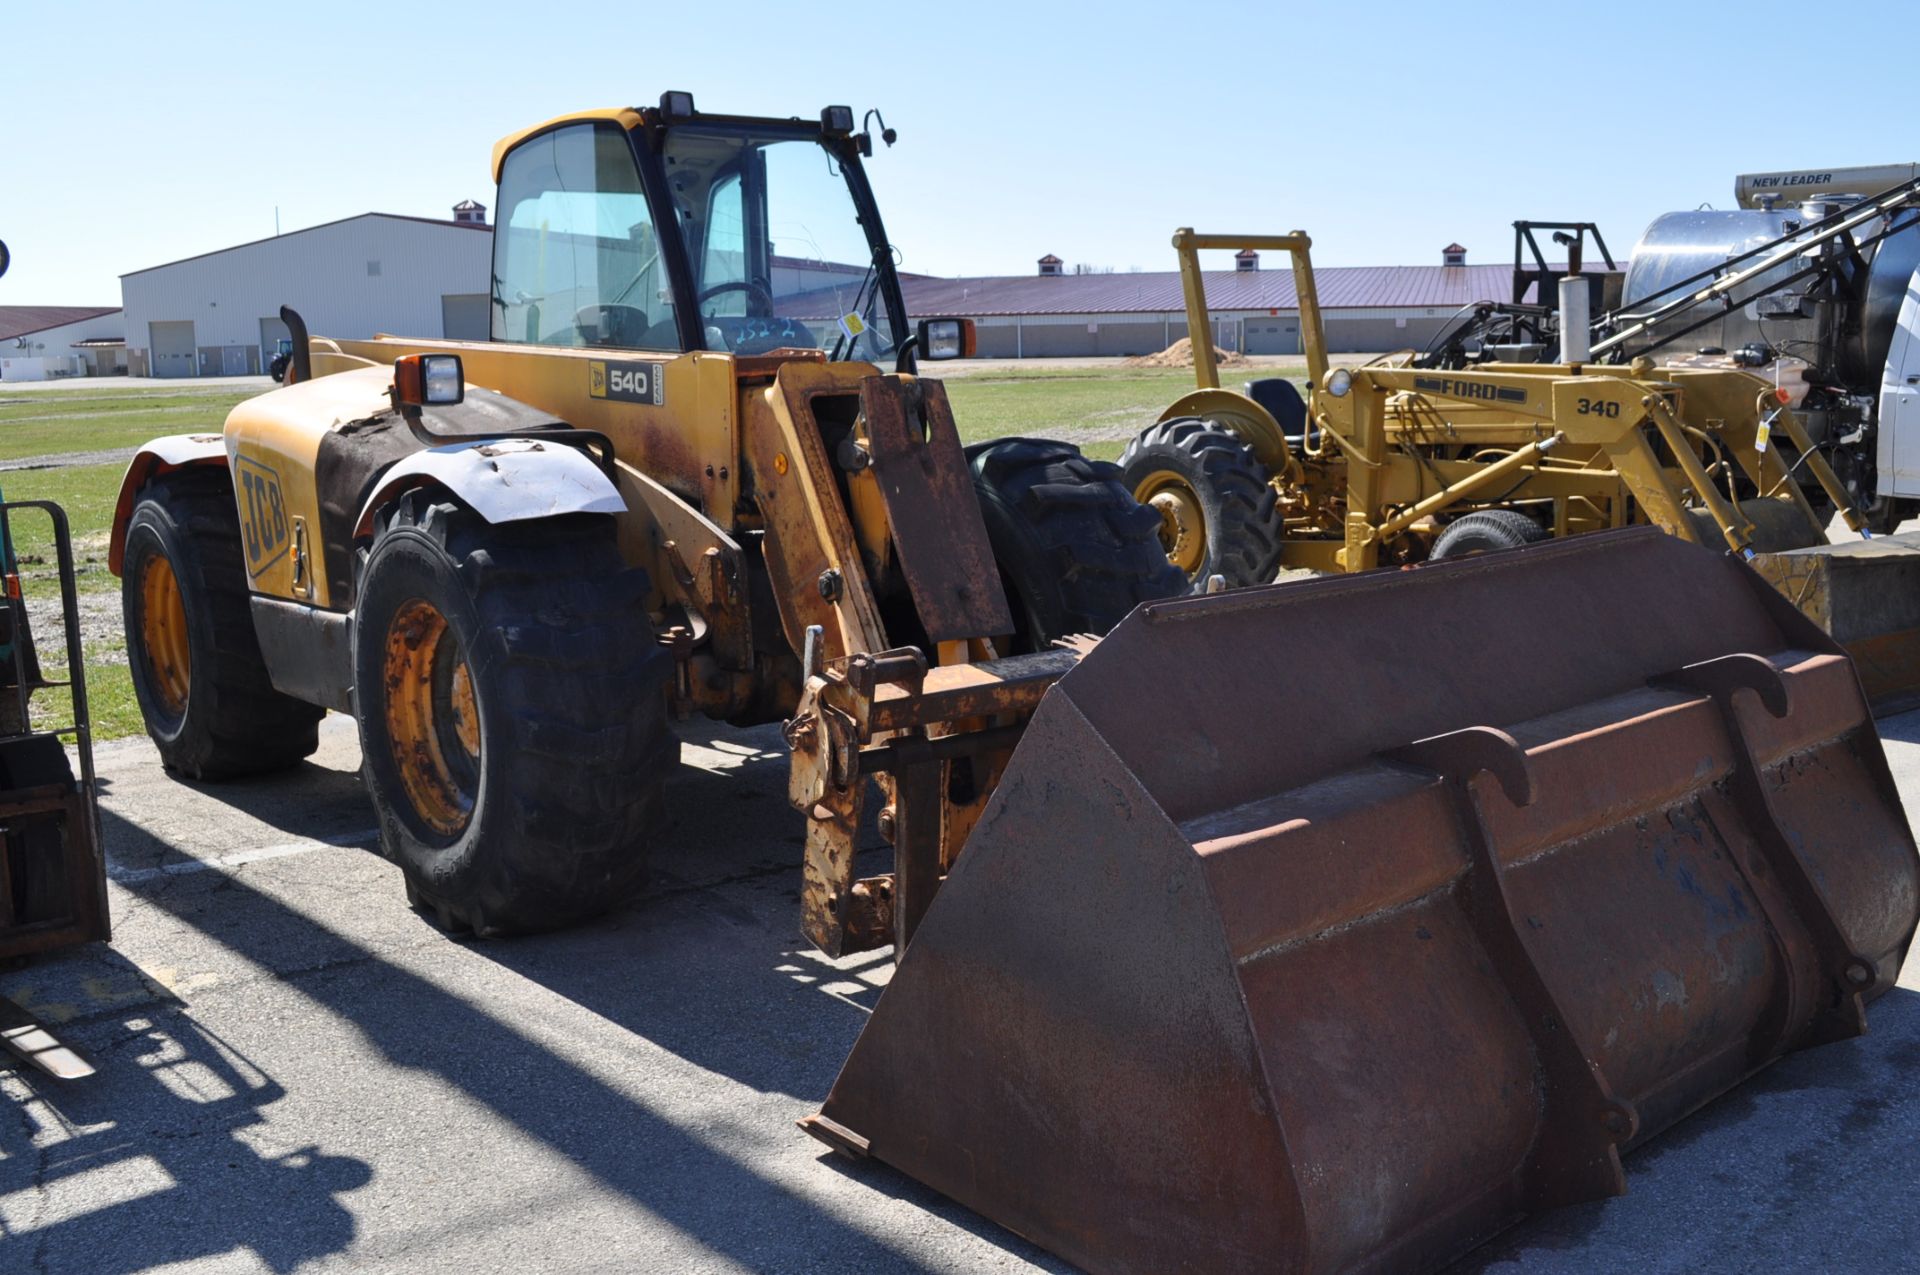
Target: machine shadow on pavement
point(159, 1130)
point(1785, 1172)
point(697, 981)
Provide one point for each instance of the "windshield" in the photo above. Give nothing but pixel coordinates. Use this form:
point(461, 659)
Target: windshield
point(575, 259)
point(777, 252)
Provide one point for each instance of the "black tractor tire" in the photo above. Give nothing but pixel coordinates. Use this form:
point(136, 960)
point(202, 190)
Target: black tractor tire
point(227, 720)
point(1487, 531)
point(527, 800)
point(1076, 552)
point(1238, 510)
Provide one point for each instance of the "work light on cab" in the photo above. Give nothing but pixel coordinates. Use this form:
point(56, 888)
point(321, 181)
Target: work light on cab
point(428, 380)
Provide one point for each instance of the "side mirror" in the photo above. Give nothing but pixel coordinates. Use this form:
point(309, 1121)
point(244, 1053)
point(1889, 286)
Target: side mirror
point(942, 339)
point(428, 380)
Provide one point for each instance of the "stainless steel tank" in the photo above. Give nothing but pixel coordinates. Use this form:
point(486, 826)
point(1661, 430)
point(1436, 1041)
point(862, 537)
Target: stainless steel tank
point(1681, 244)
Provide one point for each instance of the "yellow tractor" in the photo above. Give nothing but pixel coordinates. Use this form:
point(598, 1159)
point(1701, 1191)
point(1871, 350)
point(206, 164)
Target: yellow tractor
point(1397, 462)
point(693, 467)
point(1196, 969)
point(1392, 463)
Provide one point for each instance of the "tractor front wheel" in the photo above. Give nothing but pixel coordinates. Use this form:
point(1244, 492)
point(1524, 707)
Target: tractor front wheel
point(1487, 531)
point(512, 717)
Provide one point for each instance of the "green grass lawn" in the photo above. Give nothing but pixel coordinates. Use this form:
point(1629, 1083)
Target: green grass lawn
point(87, 493)
point(54, 422)
point(1099, 408)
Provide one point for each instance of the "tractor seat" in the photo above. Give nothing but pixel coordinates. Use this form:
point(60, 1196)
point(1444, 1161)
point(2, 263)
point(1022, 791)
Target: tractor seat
point(1281, 398)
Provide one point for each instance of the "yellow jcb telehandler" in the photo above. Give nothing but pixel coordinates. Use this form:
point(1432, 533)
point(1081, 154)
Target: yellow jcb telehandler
point(1197, 970)
point(693, 472)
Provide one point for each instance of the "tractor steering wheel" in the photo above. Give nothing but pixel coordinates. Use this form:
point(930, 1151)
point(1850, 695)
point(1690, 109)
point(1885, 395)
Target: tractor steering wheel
point(753, 290)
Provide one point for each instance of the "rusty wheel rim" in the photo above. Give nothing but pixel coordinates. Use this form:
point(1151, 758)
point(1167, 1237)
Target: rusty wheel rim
point(1183, 528)
point(433, 719)
point(163, 635)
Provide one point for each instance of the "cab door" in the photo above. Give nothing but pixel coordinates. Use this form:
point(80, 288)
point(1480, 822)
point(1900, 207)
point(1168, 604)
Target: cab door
point(1898, 444)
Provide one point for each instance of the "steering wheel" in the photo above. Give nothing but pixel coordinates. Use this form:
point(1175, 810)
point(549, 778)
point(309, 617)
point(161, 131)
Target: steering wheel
point(753, 290)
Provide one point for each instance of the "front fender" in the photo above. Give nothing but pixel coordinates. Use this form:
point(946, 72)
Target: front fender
point(162, 455)
point(502, 480)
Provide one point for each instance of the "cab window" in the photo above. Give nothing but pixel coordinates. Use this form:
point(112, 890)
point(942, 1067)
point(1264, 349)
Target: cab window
point(576, 261)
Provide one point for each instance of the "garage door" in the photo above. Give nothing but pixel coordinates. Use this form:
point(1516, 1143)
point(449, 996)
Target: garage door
point(463, 316)
point(1273, 336)
point(172, 346)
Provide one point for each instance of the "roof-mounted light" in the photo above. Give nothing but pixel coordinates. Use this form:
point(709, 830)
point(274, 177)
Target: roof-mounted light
point(837, 119)
point(676, 105)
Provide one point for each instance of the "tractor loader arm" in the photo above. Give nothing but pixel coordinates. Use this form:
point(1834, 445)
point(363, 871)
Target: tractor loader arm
point(901, 452)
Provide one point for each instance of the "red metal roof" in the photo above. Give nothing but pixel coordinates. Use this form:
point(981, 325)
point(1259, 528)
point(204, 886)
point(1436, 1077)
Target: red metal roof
point(20, 320)
point(1340, 287)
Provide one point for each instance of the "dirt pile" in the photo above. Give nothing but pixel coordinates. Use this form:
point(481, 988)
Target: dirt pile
point(1180, 354)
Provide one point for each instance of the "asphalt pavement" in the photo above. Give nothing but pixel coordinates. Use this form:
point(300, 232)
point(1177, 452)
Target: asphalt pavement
point(298, 1072)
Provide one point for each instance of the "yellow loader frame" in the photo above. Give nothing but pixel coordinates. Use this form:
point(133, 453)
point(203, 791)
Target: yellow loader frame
point(1391, 451)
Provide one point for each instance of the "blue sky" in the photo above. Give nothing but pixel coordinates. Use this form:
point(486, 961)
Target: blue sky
point(1386, 130)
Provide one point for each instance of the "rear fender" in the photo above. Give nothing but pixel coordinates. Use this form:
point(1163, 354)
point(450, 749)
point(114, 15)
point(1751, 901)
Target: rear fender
point(161, 456)
point(1240, 415)
point(502, 480)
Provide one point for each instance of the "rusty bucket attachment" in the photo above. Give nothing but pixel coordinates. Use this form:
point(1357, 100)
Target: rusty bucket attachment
point(1336, 925)
point(1866, 594)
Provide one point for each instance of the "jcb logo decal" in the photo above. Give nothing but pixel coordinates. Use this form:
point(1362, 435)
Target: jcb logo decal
point(263, 514)
point(626, 382)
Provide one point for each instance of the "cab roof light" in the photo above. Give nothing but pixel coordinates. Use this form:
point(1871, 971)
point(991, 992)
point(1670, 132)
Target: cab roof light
point(676, 105)
point(837, 119)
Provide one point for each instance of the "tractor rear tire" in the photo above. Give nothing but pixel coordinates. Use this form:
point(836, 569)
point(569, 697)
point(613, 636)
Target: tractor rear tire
point(1076, 552)
point(513, 723)
point(198, 674)
point(1219, 514)
point(1487, 531)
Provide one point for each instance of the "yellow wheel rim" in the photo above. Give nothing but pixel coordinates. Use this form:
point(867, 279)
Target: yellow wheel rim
point(1183, 528)
point(433, 720)
point(163, 634)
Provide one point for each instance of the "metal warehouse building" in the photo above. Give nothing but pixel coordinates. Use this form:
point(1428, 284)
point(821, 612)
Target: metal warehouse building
point(42, 341)
point(1053, 314)
point(218, 314)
